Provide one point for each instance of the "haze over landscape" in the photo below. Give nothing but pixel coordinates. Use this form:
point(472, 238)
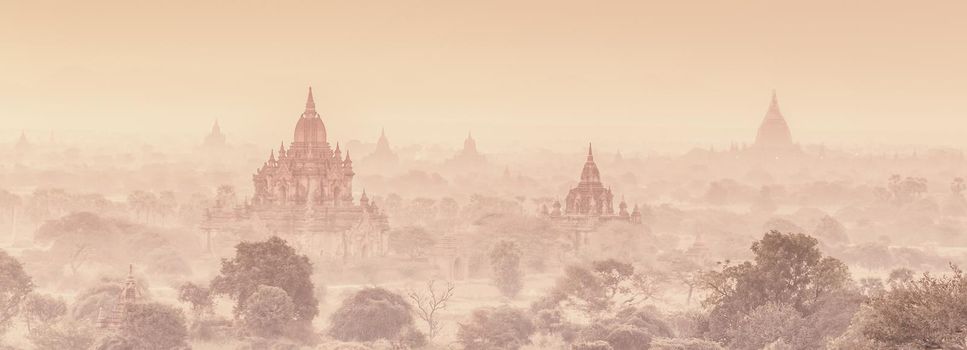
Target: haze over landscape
point(500, 175)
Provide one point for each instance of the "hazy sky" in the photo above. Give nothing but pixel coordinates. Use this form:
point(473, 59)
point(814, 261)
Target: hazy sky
point(558, 73)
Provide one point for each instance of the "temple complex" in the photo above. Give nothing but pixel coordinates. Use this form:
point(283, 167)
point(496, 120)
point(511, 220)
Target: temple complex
point(774, 135)
point(304, 194)
point(588, 205)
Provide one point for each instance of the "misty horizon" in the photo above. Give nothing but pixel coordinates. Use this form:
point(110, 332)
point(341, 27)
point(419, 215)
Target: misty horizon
point(634, 74)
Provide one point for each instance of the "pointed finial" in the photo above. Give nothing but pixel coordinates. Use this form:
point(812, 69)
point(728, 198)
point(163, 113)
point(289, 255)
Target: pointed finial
point(382, 132)
point(347, 157)
point(310, 102)
point(130, 270)
point(590, 154)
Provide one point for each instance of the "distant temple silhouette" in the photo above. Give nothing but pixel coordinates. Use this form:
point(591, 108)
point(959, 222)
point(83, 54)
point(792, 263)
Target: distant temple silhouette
point(468, 156)
point(305, 195)
point(383, 153)
point(22, 144)
point(774, 135)
point(215, 138)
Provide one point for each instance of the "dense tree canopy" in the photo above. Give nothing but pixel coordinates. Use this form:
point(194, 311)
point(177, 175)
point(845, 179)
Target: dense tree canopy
point(15, 286)
point(501, 328)
point(602, 287)
point(505, 261)
point(154, 326)
point(412, 241)
point(270, 263)
point(929, 312)
point(372, 314)
point(788, 270)
point(268, 312)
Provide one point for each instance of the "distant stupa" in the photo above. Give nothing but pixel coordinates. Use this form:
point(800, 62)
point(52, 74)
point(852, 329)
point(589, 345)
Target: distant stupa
point(383, 153)
point(469, 154)
point(774, 134)
point(22, 144)
point(215, 138)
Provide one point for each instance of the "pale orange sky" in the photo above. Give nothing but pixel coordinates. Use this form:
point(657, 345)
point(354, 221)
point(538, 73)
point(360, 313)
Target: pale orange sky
point(558, 73)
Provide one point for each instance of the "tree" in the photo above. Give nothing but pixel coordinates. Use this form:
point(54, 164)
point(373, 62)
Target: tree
point(142, 203)
point(426, 305)
point(927, 313)
point(684, 344)
point(595, 345)
point(601, 289)
point(871, 286)
point(82, 237)
point(505, 261)
point(10, 202)
point(270, 263)
point(831, 230)
point(500, 328)
point(167, 203)
point(268, 312)
point(763, 326)
point(15, 286)
point(899, 277)
point(629, 329)
point(906, 190)
point(154, 326)
point(62, 335)
point(682, 268)
point(788, 269)
point(413, 241)
point(42, 310)
point(372, 314)
point(199, 298)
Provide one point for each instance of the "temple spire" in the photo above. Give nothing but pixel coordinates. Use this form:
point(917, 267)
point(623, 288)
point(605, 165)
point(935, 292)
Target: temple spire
point(590, 154)
point(310, 103)
point(774, 106)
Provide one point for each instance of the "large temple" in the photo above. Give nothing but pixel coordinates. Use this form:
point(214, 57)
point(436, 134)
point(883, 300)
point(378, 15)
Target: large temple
point(305, 195)
point(774, 135)
point(589, 204)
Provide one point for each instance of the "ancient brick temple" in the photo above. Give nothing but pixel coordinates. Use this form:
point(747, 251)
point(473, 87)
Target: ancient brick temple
point(589, 204)
point(304, 194)
point(130, 294)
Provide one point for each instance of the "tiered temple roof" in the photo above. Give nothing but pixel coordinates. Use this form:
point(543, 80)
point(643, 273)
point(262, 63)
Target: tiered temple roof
point(590, 200)
point(304, 193)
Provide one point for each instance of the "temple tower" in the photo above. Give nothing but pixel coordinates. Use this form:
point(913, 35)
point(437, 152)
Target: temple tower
point(774, 134)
